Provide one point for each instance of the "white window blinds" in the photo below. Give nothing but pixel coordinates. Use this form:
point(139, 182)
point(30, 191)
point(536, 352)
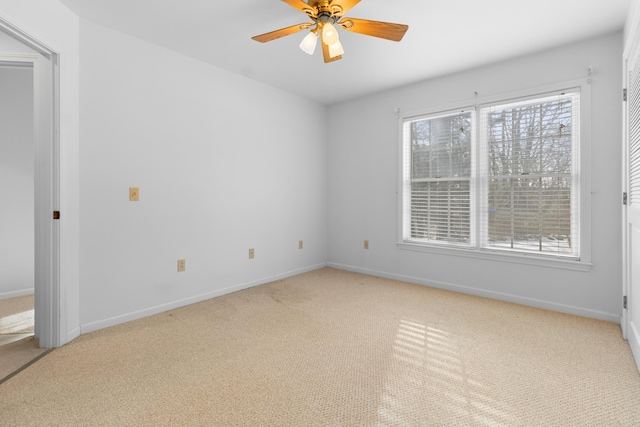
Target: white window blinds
point(438, 175)
point(634, 136)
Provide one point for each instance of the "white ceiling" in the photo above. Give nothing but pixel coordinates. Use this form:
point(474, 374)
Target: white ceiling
point(444, 36)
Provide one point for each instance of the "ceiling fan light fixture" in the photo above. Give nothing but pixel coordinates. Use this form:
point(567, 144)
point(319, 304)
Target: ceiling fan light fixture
point(308, 44)
point(335, 49)
point(329, 34)
point(326, 16)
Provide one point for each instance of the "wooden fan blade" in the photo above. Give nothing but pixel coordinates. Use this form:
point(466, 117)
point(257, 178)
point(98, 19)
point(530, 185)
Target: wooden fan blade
point(267, 37)
point(302, 7)
point(345, 5)
point(325, 53)
point(384, 30)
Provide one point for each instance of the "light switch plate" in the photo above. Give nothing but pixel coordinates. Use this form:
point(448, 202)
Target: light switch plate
point(134, 194)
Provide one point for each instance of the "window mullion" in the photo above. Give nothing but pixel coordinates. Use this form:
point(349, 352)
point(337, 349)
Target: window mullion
point(480, 176)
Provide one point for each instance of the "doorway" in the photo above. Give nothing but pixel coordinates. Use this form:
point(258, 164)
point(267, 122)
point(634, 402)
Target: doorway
point(17, 49)
point(17, 244)
point(18, 344)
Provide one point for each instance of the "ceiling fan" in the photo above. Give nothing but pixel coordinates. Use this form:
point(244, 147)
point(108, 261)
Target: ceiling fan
point(325, 16)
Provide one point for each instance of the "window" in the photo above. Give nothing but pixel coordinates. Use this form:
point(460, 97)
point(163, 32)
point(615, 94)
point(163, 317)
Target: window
point(500, 177)
point(440, 178)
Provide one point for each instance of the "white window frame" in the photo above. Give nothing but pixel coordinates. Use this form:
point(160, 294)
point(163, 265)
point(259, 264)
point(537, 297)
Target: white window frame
point(583, 86)
point(406, 223)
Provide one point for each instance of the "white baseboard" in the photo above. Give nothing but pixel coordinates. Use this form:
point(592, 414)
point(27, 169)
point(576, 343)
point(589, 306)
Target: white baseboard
point(634, 342)
point(532, 302)
point(72, 335)
point(105, 323)
point(14, 294)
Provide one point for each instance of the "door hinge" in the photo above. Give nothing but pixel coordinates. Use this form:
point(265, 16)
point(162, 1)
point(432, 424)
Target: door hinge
point(56, 214)
point(624, 302)
point(624, 94)
point(624, 198)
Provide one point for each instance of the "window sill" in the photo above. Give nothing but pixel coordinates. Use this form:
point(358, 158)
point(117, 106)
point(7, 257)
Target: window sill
point(494, 255)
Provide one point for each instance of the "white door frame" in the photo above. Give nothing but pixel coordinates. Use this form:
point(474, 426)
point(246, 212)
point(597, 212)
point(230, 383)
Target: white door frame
point(49, 318)
point(630, 261)
point(624, 318)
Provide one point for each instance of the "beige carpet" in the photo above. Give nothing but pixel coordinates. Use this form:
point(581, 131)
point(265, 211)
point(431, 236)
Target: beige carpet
point(18, 347)
point(332, 348)
point(18, 354)
point(16, 315)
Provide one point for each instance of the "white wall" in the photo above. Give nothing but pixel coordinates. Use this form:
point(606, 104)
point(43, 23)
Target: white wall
point(223, 164)
point(632, 19)
point(16, 181)
point(363, 184)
